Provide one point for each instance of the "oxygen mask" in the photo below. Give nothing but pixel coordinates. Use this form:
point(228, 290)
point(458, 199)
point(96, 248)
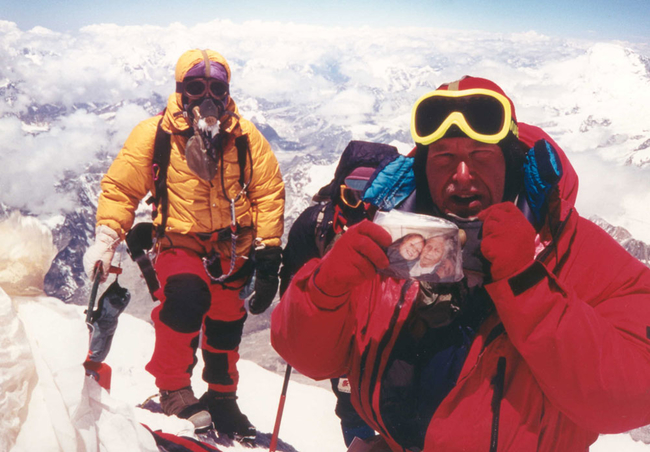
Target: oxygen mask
point(206, 117)
point(204, 147)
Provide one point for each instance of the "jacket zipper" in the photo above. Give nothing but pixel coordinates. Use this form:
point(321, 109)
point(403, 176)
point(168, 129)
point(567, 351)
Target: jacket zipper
point(498, 382)
point(495, 332)
point(380, 350)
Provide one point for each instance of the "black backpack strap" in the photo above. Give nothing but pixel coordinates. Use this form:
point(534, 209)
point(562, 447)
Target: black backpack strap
point(159, 166)
point(243, 151)
point(319, 234)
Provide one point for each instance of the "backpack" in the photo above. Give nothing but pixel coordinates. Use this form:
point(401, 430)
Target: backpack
point(390, 184)
point(315, 230)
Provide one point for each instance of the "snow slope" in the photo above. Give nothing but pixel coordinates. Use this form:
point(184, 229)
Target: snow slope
point(101, 421)
point(47, 403)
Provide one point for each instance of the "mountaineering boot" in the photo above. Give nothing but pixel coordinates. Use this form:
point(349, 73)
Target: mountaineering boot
point(226, 416)
point(183, 404)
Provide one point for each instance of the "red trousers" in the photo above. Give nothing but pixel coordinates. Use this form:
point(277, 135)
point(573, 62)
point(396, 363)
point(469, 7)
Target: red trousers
point(193, 311)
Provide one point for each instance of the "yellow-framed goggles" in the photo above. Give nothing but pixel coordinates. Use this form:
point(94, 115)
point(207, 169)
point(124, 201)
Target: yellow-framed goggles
point(482, 114)
point(351, 197)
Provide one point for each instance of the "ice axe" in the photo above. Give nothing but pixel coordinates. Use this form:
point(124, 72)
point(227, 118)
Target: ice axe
point(278, 417)
point(101, 318)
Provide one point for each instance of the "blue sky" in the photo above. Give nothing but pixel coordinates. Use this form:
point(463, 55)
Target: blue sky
point(591, 19)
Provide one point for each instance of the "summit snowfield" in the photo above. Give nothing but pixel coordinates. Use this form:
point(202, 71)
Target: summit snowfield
point(49, 405)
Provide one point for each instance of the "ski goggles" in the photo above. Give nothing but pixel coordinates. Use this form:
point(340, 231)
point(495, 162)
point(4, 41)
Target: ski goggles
point(200, 87)
point(482, 114)
point(350, 196)
point(354, 186)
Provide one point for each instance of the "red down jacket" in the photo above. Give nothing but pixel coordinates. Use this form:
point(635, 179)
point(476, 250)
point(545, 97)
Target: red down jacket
point(575, 344)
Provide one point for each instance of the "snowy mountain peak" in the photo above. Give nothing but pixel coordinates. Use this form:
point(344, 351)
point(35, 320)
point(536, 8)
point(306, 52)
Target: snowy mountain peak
point(636, 248)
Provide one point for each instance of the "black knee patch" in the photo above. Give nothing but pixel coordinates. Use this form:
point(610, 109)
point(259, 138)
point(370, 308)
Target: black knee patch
point(187, 299)
point(216, 368)
point(224, 335)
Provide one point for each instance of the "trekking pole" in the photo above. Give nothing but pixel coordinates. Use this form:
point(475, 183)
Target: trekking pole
point(99, 371)
point(278, 417)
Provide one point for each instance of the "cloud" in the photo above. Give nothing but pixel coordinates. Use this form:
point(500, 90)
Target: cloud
point(619, 194)
point(32, 167)
point(352, 106)
point(79, 95)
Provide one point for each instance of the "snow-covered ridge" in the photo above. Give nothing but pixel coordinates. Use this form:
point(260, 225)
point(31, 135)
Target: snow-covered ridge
point(636, 248)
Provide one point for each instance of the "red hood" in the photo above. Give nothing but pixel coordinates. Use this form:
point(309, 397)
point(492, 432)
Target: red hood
point(469, 82)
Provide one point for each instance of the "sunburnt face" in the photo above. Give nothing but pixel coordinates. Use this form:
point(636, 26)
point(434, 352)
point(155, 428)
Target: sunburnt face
point(465, 176)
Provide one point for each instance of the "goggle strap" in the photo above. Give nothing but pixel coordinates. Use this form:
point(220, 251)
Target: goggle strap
point(513, 128)
point(206, 61)
point(454, 86)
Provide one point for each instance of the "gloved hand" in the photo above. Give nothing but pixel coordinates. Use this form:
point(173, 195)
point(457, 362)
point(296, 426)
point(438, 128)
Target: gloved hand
point(267, 265)
point(542, 172)
point(354, 258)
point(508, 240)
point(106, 241)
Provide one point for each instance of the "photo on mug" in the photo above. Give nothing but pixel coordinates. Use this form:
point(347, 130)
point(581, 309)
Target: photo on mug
point(424, 248)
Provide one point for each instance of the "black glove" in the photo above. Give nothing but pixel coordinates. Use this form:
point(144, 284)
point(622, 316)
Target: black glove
point(267, 266)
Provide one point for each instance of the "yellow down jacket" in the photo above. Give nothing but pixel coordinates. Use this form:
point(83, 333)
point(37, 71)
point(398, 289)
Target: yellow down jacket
point(196, 205)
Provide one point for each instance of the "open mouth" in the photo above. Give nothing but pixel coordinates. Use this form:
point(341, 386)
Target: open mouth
point(465, 200)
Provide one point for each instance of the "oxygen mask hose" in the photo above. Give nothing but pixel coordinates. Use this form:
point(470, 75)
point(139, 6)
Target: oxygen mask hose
point(202, 148)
